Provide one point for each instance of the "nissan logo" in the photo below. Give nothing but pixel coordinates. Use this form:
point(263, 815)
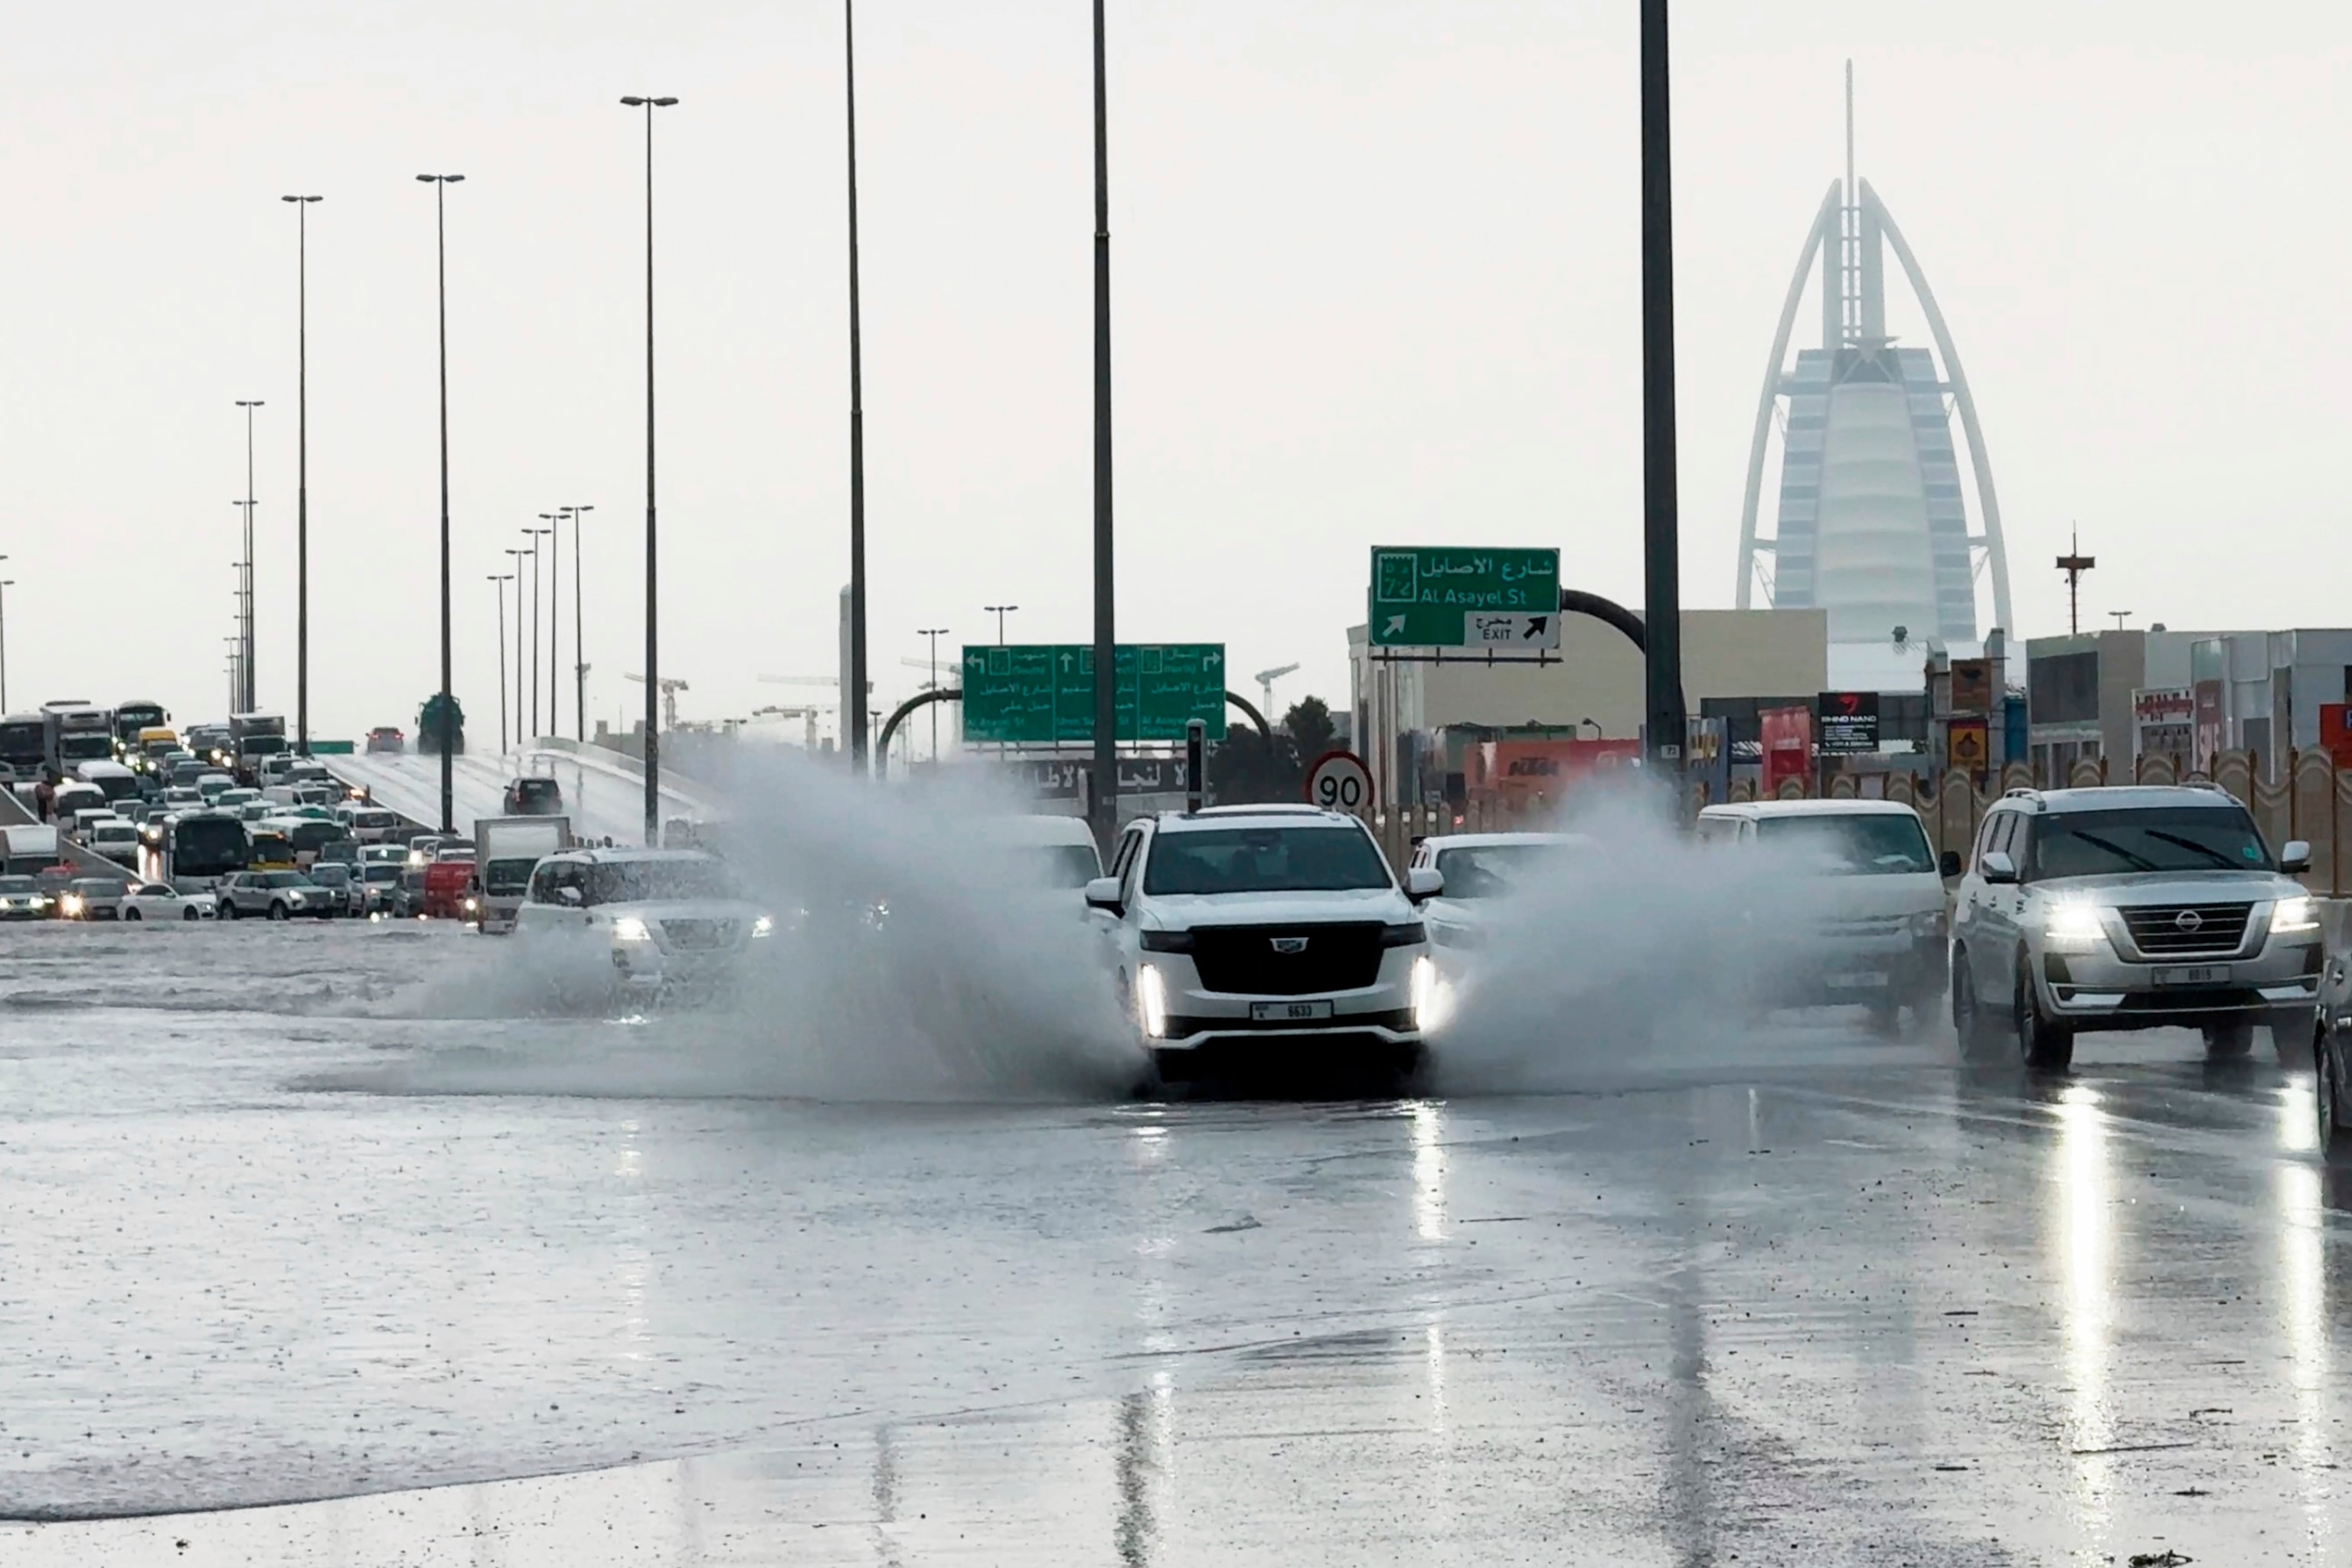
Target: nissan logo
point(1290, 944)
point(2189, 919)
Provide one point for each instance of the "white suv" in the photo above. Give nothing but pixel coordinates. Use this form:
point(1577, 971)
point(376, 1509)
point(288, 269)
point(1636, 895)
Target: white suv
point(1267, 927)
point(2131, 907)
point(666, 921)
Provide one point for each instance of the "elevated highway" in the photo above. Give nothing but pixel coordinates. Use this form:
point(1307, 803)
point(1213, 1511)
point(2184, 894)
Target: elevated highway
point(602, 794)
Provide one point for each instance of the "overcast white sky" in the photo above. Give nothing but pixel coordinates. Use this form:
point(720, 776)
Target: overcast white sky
point(1375, 280)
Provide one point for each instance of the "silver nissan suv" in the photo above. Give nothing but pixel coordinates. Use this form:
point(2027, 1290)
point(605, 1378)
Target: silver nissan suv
point(2130, 907)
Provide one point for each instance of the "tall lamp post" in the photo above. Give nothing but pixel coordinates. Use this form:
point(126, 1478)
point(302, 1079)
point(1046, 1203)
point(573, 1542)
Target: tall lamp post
point(1106, 768)
point(5, 586)
point(579, 659)
point(514, 559)
point(535, 535)
point(441, 184)
point(244, 652)
point(554, 616)
point(499, 580)
point(653, 637)
point(1662, 622)
point(853, 714)
point(1000, 612)
point(301, 472)
point(935, 634)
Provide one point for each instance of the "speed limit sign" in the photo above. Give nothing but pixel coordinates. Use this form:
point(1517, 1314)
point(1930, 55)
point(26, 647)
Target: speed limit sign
point(1339, 781)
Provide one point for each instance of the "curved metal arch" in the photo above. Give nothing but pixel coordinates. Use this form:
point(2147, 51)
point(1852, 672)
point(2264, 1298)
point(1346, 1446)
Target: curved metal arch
point(1995, 547)
point(1815, 239)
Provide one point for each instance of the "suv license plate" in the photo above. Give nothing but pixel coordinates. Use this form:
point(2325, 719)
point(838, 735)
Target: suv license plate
point(1289, 1011)
point(2193, 974)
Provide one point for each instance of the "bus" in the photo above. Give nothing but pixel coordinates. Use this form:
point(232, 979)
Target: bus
point(25, 743)
point(78, 735)
point(202, 847)
point(130, 718)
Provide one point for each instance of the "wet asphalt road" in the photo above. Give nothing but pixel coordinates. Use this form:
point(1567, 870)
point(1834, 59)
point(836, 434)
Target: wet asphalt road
point(277, 1224)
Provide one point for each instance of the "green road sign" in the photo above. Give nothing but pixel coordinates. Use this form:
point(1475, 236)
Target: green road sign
point(1497, 599)
point(1039, 694)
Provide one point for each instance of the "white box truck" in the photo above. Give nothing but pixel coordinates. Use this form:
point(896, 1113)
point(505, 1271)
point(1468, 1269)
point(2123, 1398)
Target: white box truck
point(505, 850)
point(29, 849)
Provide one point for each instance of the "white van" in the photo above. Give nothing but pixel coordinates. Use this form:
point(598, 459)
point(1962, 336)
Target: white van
point(1866, 920)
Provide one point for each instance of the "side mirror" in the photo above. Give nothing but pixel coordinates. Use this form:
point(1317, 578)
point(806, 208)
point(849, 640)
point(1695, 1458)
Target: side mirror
point(1102, 893)
point(1424, 883)
point(2295, 858)
point(1949, 866)
point(568, 897)
point(1997, 867)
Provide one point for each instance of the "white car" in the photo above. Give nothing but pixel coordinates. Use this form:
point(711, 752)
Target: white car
point(657, 921)
point(1052, 851)
point(1482, 871)
point(1264, 930)
point(117, 839)
point(212, 786)
point(368, 824)
point(161, 901)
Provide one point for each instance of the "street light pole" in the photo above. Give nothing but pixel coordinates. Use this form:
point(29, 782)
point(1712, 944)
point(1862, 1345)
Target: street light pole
point(1000, 612)
point(854, 701)
point(579, 659)
point(514, 559)
point(5, 586)
point(653, 639)
point(935, 634)
point(554, 614)
point(534, 535)
point(1106, 650)
point(244, 653)
point(1662, 585)
point(301, 472)
point(499, 581)
point(440, 184)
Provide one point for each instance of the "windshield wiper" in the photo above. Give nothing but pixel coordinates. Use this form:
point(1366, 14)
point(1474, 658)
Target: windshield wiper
point(2138, 863)
point(2206, 850)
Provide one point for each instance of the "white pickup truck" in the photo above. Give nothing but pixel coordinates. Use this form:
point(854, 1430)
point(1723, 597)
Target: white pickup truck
point(505, 850)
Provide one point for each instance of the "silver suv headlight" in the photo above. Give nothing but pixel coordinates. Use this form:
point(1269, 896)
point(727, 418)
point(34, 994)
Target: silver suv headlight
point(2296, 912)
point(2074, 928)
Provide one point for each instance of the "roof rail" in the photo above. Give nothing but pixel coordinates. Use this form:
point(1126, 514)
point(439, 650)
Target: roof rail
point(2213, 785)
point(2020, 790)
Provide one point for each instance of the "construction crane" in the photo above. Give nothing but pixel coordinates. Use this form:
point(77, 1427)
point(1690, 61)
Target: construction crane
point(1265, 679)
point(806, 711)
point(671, 687)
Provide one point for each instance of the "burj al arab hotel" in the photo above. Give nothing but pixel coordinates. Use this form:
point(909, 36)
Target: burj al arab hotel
point(1872, 525)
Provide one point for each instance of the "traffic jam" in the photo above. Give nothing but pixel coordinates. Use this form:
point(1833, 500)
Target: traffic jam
point(1233, 935)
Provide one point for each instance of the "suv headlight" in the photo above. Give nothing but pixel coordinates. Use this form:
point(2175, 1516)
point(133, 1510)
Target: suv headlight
point(629, 928)
point(2075, 928)
point(2296, 912)
point(1151, 1002)
point(1164, 940)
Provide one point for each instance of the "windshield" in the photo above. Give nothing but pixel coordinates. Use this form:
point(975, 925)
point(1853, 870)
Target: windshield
point(330, 874)
point(2171, 838)
point(1486, 870)
point(1869, 844)
point(1062, 865)
point(633, 881)
point(86, 747)
point(1264, 860)
point(383, 871)
point(13, 886)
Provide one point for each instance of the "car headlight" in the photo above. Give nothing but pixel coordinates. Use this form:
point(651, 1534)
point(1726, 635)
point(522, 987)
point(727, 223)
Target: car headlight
point(1151, 1002)
point(472, 904)
point(1428, 998)
point(2297, 911)
point(629, 928)
point(764, 926)
point(2075, 928)
point(71, 904)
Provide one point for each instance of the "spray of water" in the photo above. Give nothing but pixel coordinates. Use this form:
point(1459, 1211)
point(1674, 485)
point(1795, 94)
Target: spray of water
point(921, 953)
point(1644, 956)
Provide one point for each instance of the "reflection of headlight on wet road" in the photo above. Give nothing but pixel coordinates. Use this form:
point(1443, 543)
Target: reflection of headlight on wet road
point(629, 928)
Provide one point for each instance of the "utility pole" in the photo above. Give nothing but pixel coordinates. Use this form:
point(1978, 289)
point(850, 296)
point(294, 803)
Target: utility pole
point(301, 472)
point(653, 639)
point(1662, 588)
point(2075, 563)
point(854, 710)
point(1106, 649)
